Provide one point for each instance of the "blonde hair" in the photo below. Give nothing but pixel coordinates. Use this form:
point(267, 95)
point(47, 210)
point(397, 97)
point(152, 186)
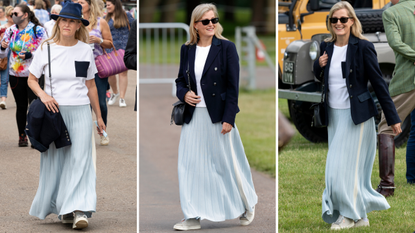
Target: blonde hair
point(355, 29)
point(8, 10)
point(197, 14)
point(82, 34)
point(39, 4)
point(94, 12)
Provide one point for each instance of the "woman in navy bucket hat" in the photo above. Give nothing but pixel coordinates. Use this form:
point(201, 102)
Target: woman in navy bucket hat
point(67, 175)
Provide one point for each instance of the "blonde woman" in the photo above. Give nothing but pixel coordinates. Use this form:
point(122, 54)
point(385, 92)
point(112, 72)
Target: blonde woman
point(99, 37)
point(347, 63)
point(214, 175)
point(67, 175)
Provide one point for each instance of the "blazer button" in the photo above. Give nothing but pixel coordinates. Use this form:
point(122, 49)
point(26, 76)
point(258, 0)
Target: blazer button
point(351, 96)
point(213, 94)
point(350, 85)
point(351, 70)
point(214, 84)
point(216, 68)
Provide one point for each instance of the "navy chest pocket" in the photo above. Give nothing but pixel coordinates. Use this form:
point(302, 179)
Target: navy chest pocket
point(81, 68)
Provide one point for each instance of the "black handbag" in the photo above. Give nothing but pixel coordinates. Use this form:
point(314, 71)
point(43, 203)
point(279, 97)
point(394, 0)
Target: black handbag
point(177, 114)
point(319, 110)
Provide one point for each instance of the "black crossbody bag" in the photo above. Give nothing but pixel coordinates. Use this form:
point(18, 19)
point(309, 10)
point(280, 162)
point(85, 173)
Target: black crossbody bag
point(177, 114)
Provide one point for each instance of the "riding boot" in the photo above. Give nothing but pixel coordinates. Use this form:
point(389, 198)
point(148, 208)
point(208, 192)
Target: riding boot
point(386, 164)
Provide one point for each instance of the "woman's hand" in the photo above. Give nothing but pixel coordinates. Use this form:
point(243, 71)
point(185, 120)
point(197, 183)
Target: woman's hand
point(101, 127)
point(226, 128)
point(4, 44)
point(322, 61)
point(191, 98)
point(50, 103)
point(94, 40)
point(396, 128)
point(22, 55)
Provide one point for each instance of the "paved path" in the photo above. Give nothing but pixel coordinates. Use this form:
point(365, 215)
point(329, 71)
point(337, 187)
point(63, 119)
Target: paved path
point(116, 175)
point(158, 184)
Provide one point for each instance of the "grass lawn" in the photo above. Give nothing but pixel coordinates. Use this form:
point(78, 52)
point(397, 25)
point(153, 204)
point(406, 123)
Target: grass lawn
point(301, 167)
point(256, 125)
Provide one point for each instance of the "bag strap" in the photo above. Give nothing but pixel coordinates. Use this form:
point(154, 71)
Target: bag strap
point(50, 74)
point(105, 52)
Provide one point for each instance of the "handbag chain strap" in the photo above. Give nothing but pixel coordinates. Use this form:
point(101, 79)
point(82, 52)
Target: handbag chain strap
point(50, 75)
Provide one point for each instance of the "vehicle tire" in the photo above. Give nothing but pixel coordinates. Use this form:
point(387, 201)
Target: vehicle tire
point(387, 71)
point(301, 116)
point(371, 20)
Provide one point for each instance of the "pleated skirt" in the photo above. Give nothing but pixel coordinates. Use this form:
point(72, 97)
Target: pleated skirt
point(67, 175)
point(214, 175)
point(352, 151)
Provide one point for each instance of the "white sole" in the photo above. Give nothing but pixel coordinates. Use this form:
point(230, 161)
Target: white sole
point(80, 224)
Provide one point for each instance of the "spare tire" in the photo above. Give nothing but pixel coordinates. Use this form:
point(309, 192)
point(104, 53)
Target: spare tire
point(371, 20)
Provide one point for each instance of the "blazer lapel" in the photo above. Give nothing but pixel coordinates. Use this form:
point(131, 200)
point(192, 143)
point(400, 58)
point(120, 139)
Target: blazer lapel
point(351, 50)
point(213, 52)
point(191, 60)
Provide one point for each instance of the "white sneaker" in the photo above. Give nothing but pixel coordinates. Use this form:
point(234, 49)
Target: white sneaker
point(80, 220)
point(247, 217)
point(105, 140)
point(67, 218)
point(188, 224)
point(364, 222)
point(122, 103)
point(342, 223)
point(3, 105)
point(113, 98)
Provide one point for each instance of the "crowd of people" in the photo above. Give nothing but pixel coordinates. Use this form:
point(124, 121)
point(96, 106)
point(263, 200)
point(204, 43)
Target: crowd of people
point(50, 53)
point(29, 23)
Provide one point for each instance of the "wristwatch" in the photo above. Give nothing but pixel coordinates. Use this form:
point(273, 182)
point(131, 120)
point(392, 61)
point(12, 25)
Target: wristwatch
point(101, 41)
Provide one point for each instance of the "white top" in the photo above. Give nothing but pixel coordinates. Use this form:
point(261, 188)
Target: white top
point(338, 94)
point(71, 66)
point(201, 56)
point(49, 27)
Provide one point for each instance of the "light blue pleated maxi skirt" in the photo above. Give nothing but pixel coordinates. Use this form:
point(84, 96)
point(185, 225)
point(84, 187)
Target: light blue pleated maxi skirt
point(214, 175)
point(352, 151)
point(67, 175)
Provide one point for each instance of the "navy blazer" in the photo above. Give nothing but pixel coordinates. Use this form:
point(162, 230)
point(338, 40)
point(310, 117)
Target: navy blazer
point(360, 66)
point(219, 82)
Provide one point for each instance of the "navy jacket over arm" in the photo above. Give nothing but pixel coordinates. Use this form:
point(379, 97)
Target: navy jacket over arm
point(360, 66)
point(219, 82)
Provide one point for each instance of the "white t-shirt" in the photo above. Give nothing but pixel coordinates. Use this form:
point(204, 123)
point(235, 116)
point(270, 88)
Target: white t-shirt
point(71, 66)
point(201, 56)
point(49, 27)
point(338, 94)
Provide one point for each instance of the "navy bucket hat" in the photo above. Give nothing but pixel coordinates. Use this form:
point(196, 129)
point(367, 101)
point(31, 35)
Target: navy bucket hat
point(71, 10)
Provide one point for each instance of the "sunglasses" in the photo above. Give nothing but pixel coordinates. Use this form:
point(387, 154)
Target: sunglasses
point(206, 21)
point(342, 19)
point(13, 13)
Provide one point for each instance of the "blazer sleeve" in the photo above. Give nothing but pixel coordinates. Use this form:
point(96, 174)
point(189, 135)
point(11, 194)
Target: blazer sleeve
point(232, 85)
point(372, 70)
point(318, 71)
point(181, 83)
point(394, 37)
point(130, 56)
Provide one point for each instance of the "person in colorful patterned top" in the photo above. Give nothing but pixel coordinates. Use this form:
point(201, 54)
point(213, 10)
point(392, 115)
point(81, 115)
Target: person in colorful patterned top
point(22, 39)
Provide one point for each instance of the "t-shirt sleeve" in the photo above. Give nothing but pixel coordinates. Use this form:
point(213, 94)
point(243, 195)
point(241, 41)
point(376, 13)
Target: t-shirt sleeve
point(36, 67)
point(92, 67)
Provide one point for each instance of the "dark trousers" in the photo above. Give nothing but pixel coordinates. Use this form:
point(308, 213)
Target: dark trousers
point(410, 152)
point(102, 84)
point(23, 95)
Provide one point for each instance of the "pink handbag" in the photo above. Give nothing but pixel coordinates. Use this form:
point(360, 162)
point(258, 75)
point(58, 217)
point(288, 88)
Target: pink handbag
point(110, 64)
